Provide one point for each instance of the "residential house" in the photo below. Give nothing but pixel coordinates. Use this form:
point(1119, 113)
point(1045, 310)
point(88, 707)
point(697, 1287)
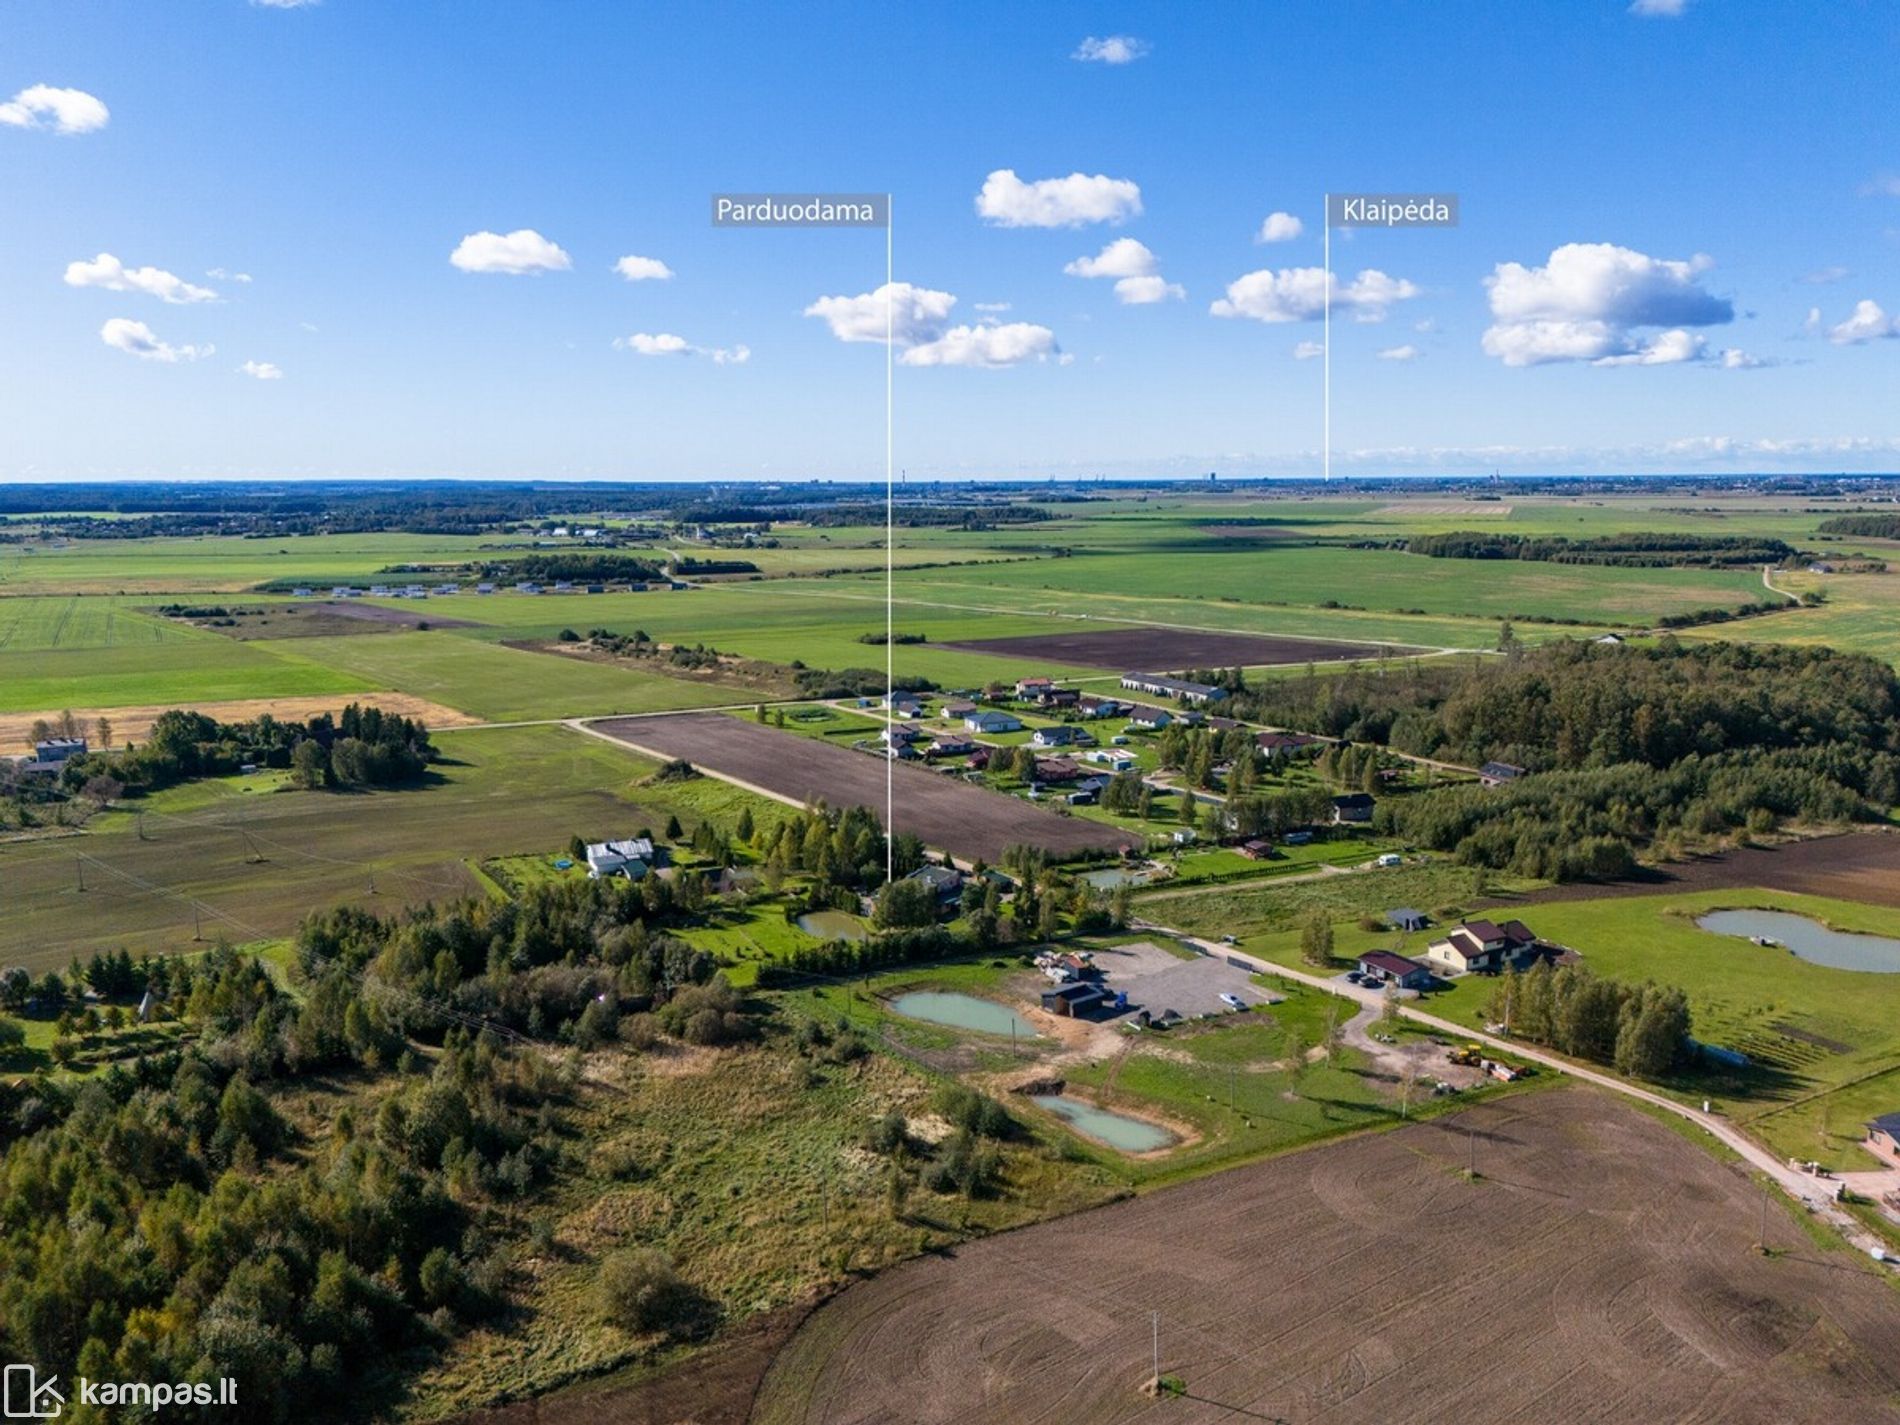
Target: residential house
point(1353, 809)
point(945, 882)
point(1258, 849)
point(1883, 1135)
point(1058, 698)
point(50, 756)
point(631, 857)
point(1057, 769)
point(1061, 735)
point(1389, 967)
point(1157, 685)
point(992, 721)
point(958, 707)
point(1033, 687)
point(1495, 774)
point(1483, 946)
point(1289, 743)
point(951, 744)
point(905, 704)
point(1152, 718)
point(1090, 705)
point(900, 734)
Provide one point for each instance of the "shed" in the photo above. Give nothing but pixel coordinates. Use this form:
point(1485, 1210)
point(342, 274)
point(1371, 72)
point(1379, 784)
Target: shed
point(1074, 998)
point(1405, 918)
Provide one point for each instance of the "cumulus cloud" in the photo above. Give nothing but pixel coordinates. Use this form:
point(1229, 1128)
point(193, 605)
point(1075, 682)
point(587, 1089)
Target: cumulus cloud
point(137, 339)
point(919, 323)
point(1298, 294)
point(917, 314)
point(1111, 49)
point(1136, 270)
point(1408, 352)
point(108, 272)
point(523, 250)
point(262, 370)
point(1308, 350)
point(64, 111)
point(1659, 9)
point(1868, 322)
point(1071, 202)
point(990, 346)
point(669, 344)
point(991, 306)
point(1279, 227)
point(1589, 303)
point(1733, 358)
point(643, 269)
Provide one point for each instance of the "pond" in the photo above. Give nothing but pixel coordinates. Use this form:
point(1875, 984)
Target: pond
point(963, 1012)
point(1808, 939)
point(1113, 876)
point(1117, 1130)
point(832, 925)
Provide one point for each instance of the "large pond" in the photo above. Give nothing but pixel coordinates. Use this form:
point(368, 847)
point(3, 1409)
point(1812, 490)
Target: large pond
point(1117, 1130)
point(1809, 939)
point(963, 1012)
point(832, 925)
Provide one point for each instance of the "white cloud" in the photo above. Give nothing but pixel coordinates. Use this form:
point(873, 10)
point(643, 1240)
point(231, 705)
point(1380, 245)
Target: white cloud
point(108, 272)
point(1308, 350)
point(523, 250)
point(1588, 302)
point(1821, 276)
point(262, 370)
point(919, 323)
point(1881, 185)
point(1070, 202)
point(1664, 349)
point(1733, 358)
point(1124, 257)
point(1135, 268)
point(991, 306)
point(65, 111)
point(917, 314)
point(1659, 9)
point(1424, 326)
point(285, 4)
point(1111, 49)
point(1142, 291)
point(1298, 294)
point(137, 339)
point(643, 269)
point(1279, 227)
point(989, 346)
point(1408, 352)
point(1867, 323)
point(668, 344)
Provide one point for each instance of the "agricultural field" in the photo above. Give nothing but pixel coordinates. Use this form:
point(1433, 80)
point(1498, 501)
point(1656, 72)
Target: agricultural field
point(1619, 1257)
point(251, 856)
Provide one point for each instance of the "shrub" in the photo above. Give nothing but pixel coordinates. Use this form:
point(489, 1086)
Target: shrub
point(640, 1290)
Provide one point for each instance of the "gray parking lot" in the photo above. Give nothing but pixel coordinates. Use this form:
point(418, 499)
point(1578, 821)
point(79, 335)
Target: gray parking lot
point(1157, 980)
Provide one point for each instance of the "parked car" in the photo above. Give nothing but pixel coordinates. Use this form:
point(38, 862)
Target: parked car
point(1233, 1001)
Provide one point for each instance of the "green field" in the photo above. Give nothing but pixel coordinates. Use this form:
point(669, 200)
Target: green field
point(499, 792)
point(34, 625)
point(166, 673)
point(1825, 1042)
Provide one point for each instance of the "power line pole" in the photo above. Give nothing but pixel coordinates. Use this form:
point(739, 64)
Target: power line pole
point(80, 863)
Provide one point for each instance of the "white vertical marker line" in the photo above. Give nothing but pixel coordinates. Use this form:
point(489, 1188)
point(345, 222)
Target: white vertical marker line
point(890, 564)
point(1326, 337)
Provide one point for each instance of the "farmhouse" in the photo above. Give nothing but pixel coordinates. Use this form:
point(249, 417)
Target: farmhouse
point(1495, 774)
point(1353, 809)
point(50, 756)
point(1157, 685)
point(1883, 1135)
point(631, 857)
point(990, 720)
point(1061, 735)
point(1391, 968)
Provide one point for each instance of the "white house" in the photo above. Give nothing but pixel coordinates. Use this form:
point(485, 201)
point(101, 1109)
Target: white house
point(991, 720)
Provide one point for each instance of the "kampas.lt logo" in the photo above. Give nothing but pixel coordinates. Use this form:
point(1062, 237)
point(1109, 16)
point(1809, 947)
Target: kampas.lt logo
point(30, 1398)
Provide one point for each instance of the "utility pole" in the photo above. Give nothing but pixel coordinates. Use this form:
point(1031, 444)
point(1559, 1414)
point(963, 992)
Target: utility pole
point(197, 928)
point(1473, 1137)
point(80, 863)
point(1761, 1234)
point(1157, 1335)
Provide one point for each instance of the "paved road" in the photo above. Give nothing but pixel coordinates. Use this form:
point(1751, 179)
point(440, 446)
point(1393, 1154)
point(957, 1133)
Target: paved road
point(1816, 1194)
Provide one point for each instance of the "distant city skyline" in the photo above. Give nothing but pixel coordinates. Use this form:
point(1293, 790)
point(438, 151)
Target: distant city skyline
point(275, 240)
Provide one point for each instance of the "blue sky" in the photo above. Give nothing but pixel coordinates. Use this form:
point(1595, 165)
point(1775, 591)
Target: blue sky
point(1704, 210)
